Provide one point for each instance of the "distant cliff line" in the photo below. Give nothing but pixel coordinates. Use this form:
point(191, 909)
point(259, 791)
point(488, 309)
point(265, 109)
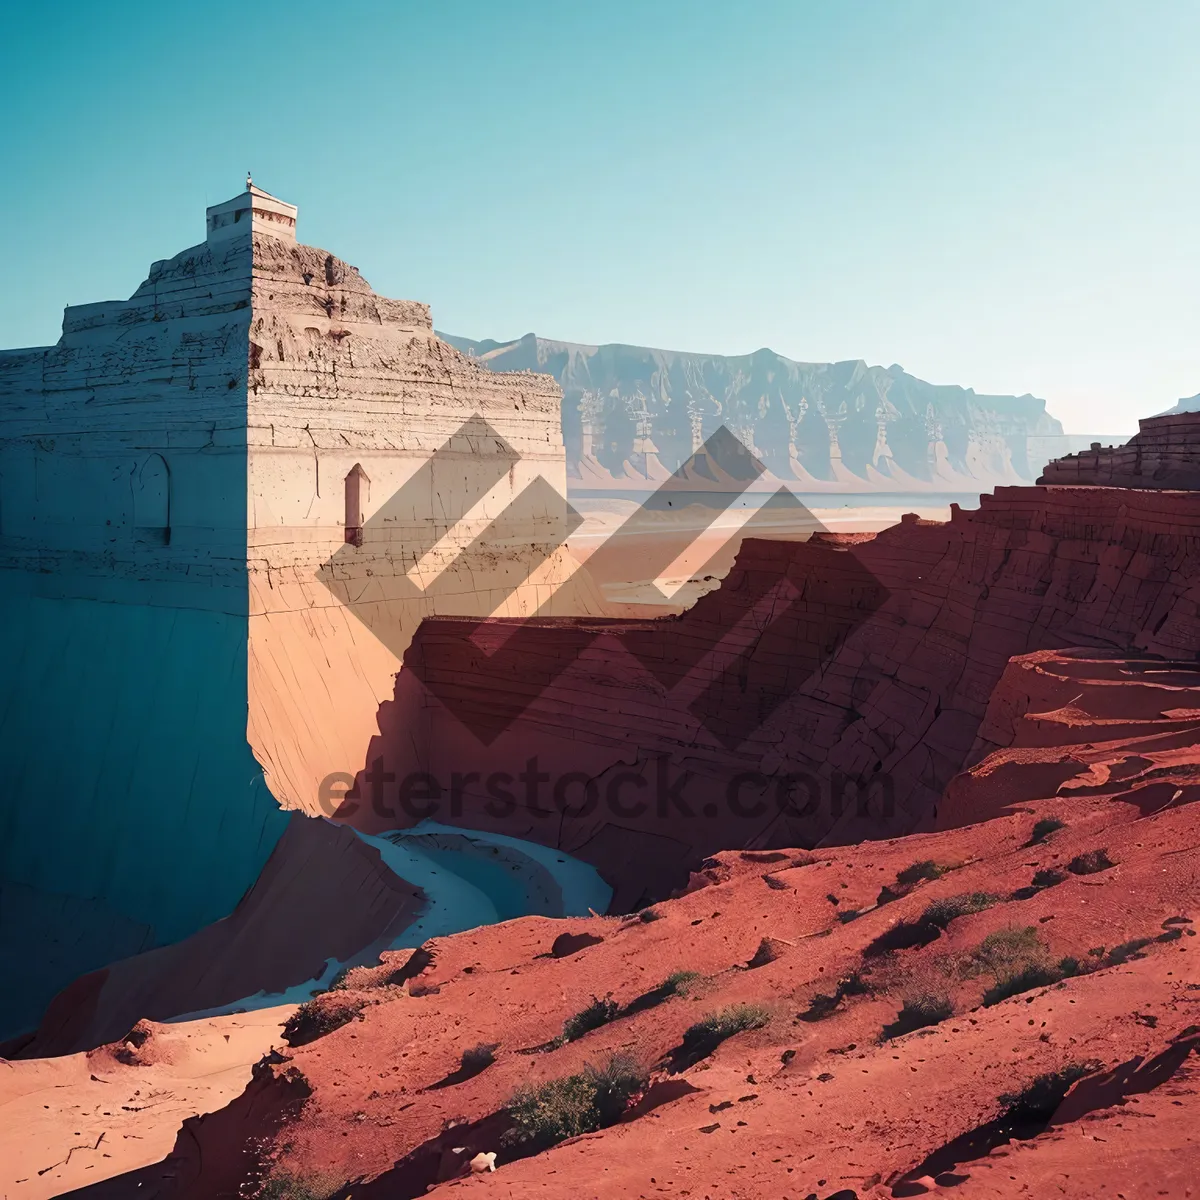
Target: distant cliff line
point(632, 414)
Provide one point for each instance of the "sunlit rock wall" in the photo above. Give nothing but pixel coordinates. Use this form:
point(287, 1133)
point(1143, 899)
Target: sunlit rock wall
point(390, 478)
point(225, 506)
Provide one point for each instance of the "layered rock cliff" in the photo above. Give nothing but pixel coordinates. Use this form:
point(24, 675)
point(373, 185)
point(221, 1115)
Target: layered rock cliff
point(1163, 455)
point(632, 414)
point(826, 692)
point(225, 504)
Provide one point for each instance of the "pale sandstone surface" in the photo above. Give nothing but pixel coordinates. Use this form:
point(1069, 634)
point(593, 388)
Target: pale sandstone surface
point(340, 377)
point(67, 1122)
point(181, 591)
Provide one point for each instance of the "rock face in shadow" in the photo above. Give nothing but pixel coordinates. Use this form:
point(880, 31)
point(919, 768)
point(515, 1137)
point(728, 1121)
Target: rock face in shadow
point(323, 895)
point(1162, 455)
point(814, 668)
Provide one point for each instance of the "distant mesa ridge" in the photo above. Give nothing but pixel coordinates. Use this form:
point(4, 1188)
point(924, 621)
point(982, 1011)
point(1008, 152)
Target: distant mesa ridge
point(633, 414)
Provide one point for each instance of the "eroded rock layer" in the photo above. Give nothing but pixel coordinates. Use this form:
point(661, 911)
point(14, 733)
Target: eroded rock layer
point(1164, 454)
point(813, 669)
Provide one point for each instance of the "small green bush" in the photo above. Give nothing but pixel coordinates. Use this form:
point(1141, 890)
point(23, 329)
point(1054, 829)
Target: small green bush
point(918, 1010)
point(702, 1038)
point(285, 1186)
point(1044, 828)
point(915, 872)
point(649, 914)
point(1018, 961)
point(319, 1017)
point(1033, 975)
point(598, 1013)
point(551, 1112)
point(941, 912)
point(1007, 950)
point(1092, 862)
point(678, 982)
point(823, 1005)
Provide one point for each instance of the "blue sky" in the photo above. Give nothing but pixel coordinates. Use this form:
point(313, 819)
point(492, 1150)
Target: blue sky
point(1001, 195)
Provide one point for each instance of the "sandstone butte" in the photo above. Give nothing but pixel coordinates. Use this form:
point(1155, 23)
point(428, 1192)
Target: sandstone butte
point(978, 979)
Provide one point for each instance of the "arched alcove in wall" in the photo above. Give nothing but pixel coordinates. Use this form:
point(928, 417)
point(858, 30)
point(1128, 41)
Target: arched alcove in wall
point(358, 493)
point(152, 501)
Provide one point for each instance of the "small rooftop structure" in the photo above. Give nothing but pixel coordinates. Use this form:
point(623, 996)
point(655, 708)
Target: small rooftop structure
point(254, 211)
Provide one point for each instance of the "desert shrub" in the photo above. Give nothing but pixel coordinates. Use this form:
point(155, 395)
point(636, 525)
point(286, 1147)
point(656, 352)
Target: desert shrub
point(286, 1186)
point(1091, 862)
point(1017, 960)
point(1032, 975)
point(941, 912)
point(916, 872)
point(823, 1005)
point(846, 915)
point(702, 1038)
point(550, 1112)
point(616, 1084)
point(319, 1017)
point(678, 982)
point(1127, 951)
point(1007, 950)
point(649, 914)
point(479, 1058)
point(904, 935)
point(598, 1013)
point(1044, 828)
point(338, 982)
point(1039, 1101)
point(918, 1010)
point(1048, 877)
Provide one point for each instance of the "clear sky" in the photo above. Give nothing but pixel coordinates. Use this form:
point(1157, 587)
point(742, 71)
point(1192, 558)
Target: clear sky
point(1003, 194)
